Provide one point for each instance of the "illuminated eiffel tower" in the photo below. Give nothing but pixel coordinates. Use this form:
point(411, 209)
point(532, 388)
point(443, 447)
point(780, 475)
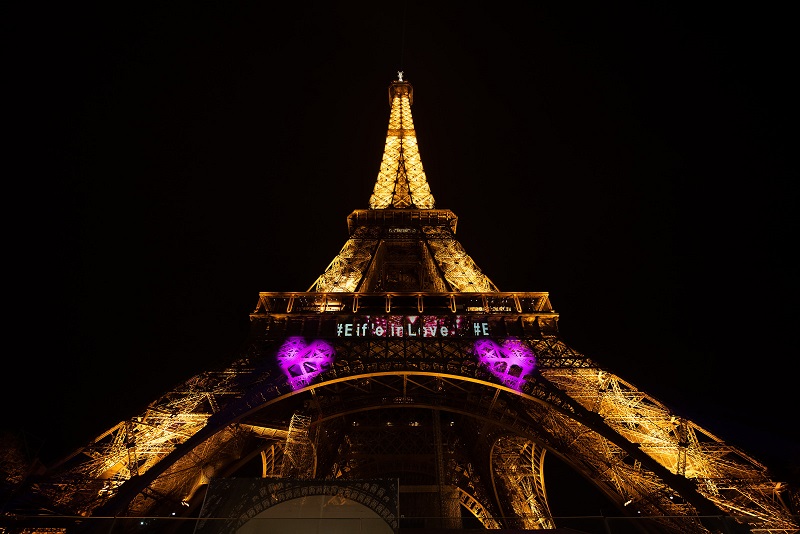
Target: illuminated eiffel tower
point(403, 379)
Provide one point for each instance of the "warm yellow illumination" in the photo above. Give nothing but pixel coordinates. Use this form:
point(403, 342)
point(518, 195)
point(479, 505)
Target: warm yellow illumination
point(401, 180)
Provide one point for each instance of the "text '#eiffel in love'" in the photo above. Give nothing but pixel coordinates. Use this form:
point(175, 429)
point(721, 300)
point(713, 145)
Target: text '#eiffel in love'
point(412, 326)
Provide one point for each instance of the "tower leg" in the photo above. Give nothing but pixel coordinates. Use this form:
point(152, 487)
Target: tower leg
point(449, 505)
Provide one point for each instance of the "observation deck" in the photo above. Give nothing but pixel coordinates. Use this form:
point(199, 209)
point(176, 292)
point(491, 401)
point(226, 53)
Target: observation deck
point(494, 303)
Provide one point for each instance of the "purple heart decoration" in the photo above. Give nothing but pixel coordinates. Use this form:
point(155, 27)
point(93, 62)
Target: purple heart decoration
point(302, 363)
point(509, 361)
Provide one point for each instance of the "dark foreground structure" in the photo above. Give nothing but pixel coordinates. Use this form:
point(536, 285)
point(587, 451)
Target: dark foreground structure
point(402, 392)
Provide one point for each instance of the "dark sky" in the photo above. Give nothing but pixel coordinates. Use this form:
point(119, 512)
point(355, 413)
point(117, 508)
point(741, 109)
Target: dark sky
point(168, 161)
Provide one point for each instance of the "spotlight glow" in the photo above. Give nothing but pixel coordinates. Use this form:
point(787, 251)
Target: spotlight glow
point(302, 363)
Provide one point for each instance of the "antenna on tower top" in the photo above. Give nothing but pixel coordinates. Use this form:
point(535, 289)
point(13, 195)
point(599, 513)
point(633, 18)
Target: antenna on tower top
point(399, 75)
point(403, 35)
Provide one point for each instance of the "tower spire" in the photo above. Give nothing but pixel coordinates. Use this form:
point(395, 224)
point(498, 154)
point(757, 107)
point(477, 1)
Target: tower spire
point(401, 182)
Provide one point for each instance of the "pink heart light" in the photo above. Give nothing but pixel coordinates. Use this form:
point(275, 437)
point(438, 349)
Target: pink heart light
point(302, 363)
point(510, 362)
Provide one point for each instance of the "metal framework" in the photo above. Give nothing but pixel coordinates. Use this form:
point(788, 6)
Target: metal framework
point(401, 181)
point(403, 361)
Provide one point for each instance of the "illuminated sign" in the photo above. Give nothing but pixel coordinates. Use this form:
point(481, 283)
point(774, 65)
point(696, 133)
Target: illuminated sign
point(423, 326)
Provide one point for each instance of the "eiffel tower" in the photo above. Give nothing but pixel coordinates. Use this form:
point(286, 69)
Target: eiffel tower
point(406, 380)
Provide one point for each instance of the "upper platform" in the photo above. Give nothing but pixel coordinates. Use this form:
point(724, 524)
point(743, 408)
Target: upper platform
point(400, 218)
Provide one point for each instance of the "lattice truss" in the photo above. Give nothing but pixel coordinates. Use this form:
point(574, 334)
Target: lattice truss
point(298, 454)
point(518, 463)
point(370, 448)
point(471, 497)
point(401, 180)
point(460, 271)
point(91, 475)
point(345, 272)
point(183, 478)
point(725, 475)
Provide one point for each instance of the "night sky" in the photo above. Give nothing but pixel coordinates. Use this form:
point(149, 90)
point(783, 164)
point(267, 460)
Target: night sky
point(166, 162)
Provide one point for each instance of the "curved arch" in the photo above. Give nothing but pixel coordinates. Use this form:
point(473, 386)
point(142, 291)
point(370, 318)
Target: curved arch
point(537, 390)
point(477, 510)
point(311, 515)
point(231, 504)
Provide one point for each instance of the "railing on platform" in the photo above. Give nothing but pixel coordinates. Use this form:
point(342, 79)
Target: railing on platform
point(388, 302)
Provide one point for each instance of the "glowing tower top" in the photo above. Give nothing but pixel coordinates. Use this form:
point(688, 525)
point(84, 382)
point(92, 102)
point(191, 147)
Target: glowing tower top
point(401, 180)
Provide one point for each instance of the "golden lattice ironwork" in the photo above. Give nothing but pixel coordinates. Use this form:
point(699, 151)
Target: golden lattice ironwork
point(519, 465)
point(421, 405)
point(401, 180)
point(298, 453)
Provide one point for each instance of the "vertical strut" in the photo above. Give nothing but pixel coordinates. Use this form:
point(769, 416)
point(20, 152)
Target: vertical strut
point(449, 503)
point(683, 445)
